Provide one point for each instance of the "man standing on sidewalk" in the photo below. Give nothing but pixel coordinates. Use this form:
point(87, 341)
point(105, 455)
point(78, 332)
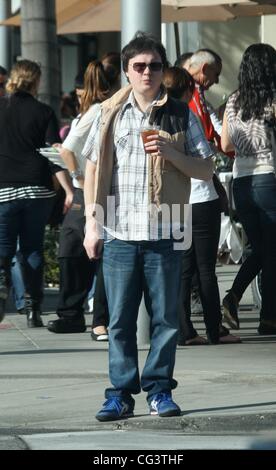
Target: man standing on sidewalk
point(136, 262)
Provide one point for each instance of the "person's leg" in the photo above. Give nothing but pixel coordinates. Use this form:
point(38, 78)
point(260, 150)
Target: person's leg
point(76, 275)
point(76, 271)
point(91, 293)
point(196, 306)
point(206, 230)
point(249, 216)
point(247, 272)
point(162, 278)
point(186, 328)
point(31, 244)
point(18, 287)
point(265, 197)
point(100, 308)
point(9, 226)
point(122, 278)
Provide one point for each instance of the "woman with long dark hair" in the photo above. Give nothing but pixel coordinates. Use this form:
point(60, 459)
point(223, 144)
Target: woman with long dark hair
point(249, 113)
point(200, 258)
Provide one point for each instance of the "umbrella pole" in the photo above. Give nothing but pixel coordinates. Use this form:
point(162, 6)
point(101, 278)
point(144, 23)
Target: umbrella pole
point(177, 41)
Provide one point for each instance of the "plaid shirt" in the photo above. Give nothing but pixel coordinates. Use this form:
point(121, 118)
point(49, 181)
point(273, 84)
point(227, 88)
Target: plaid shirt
point(130, 172)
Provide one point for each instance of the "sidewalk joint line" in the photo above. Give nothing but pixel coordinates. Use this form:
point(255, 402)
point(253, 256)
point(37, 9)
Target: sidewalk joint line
point(26, 336)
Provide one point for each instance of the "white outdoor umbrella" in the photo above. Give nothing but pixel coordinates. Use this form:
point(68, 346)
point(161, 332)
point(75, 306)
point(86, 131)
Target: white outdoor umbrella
point(82, 16)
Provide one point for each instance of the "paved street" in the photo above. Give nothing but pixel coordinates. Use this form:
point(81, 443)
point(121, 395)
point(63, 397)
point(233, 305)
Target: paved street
point(52, 386)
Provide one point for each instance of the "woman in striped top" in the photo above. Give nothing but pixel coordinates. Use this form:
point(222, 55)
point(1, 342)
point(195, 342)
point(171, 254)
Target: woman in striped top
point(26, 183)
point(245, 129)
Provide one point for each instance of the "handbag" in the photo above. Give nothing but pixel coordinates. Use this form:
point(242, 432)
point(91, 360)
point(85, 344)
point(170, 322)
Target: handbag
point(222, 194)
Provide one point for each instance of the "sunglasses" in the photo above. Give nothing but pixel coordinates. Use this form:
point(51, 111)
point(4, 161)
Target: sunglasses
point(140, 67)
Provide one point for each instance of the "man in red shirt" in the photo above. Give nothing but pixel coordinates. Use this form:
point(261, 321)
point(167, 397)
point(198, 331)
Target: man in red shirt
point(205, 67)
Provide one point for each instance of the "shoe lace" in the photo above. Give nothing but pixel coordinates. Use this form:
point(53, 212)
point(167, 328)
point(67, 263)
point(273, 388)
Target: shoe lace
point(163, 397)
point(114, 403)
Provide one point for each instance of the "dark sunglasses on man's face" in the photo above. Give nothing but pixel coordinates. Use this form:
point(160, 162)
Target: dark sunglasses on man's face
point(140, 67)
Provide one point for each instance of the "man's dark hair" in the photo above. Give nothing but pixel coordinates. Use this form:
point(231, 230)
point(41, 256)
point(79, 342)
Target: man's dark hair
point(143, 42)
point(180, 61)
point(3, 71)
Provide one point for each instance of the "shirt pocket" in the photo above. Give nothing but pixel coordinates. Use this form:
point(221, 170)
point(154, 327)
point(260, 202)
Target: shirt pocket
point(122, 147)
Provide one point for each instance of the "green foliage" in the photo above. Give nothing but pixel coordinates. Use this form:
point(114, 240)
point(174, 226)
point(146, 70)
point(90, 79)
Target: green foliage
point(51, 270)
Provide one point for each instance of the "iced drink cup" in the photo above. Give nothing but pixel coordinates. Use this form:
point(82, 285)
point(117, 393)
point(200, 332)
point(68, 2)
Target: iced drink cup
point(146, 131)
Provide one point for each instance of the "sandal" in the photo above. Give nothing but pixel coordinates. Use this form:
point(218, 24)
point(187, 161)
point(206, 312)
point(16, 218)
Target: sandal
point(196, 341)
point(225, 336)
point(229, 339)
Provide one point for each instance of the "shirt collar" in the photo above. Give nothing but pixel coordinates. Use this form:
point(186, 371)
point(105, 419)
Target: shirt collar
point(131, 100)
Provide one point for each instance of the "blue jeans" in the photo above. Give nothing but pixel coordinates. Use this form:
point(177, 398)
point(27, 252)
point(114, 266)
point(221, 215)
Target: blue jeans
point(131, 269)
point(18, 286)
point(255, 200)
point(25, 219)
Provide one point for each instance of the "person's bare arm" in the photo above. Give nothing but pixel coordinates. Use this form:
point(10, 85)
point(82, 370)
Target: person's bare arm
point(93, 243)
point(226, 143)
point(66, 183)
point(71, 163)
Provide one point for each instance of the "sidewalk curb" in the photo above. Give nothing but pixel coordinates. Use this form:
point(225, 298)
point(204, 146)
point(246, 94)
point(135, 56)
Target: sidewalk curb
point(250, 422)
point(246, 423)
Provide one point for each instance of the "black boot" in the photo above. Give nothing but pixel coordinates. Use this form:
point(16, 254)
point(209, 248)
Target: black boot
point(4, 284)
point(33, 312)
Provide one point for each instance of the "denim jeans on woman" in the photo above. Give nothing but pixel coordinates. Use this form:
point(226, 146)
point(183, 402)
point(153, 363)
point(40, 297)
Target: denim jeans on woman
point(255, 200)
point(26, 219)
point(131, 269)
point(18, 286)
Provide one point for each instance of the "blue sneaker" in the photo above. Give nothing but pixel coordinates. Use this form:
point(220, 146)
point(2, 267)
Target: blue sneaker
point(116, 408)
point(162, 404)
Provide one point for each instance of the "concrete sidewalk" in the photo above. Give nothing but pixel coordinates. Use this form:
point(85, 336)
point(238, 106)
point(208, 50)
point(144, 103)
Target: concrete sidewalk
point(52, 386)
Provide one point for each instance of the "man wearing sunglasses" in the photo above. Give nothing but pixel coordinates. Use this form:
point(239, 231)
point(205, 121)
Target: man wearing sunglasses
point(136, 259)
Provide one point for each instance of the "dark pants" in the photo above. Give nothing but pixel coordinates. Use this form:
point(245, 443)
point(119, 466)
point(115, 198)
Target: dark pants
point(24, 220)
point(100, 306)
point(201, 258)
point(76, 270)
point(255, 200)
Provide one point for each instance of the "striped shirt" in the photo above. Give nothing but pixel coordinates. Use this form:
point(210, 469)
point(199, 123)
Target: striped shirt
point(130, 171)
point(252, 145)
point(26, 192)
